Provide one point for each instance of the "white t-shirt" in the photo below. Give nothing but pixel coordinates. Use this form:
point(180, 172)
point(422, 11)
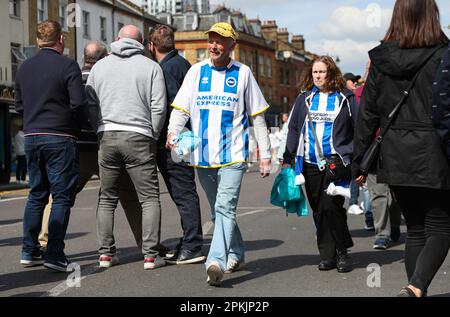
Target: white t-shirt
point(219, 102)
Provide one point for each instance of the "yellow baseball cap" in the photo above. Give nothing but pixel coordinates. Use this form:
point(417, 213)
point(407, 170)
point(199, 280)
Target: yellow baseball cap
point(223, 29)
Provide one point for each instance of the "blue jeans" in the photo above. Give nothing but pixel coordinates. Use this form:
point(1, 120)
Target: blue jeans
point(53, 168)
point(354, 193)
point(368, 214)
point(222, 187)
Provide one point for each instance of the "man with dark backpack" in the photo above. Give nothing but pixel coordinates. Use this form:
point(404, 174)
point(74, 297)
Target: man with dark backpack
point(441, 103)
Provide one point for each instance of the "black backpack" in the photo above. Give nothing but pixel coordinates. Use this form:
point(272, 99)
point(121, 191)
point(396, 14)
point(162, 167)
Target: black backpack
point(441, 102)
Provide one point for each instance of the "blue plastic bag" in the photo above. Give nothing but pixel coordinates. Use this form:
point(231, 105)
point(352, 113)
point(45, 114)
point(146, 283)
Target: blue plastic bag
point(286, 194)
point(186, 143)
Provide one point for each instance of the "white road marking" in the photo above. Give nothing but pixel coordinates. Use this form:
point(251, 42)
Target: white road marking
point(91, 269)
point(13, 199)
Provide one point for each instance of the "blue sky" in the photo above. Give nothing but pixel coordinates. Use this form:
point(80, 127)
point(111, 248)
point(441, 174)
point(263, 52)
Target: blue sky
point(344, 28)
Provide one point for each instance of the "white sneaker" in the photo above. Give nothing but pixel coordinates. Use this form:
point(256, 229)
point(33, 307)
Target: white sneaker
point(106, 261)
point(355, 210)
point(234, 265)
point(215, 274)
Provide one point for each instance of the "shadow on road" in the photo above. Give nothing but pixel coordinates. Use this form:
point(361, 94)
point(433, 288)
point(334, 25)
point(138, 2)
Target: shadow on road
point(262, 244)
point(361, 233)
point(18, 240)
point(263, 267)
point(266, 266)
point(31, 294)
point(361, 260)
point(41, 276)
point(9, 221)
point(32, 277)
point(441, 295)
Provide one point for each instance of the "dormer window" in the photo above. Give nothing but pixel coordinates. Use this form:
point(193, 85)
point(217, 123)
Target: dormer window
point(190, 21)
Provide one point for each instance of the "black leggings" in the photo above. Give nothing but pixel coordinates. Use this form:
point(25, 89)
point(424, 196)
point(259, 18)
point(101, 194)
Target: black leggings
point(427, 216)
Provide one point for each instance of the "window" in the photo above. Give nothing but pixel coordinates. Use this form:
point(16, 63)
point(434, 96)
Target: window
point(17, 58)
point(270, 94)
point(261, 66)
point(120, 26)
point(288, 75)
point(243, 57)
point(103, 29)
point(86, 26)
point(63, 17)
point(251, 61)
point(224, 18)
point(14, 8)
point(201, 54)
point(189, 22)
point(42, 13)
point(269, 67)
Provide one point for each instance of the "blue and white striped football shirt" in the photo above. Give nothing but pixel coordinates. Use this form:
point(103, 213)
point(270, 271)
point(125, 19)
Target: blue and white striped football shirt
point(324, 110)
point(219, 102)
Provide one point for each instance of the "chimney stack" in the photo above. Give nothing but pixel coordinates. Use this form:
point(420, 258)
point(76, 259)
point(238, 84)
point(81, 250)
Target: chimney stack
point(283, 35)
point(269, 30)
point(298, 41)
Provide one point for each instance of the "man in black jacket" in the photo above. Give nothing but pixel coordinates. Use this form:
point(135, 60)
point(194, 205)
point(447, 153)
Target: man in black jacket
point(51, 97)
point(179, 178)
point(88, 148)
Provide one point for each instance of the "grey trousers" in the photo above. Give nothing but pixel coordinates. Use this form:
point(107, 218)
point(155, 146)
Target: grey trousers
point(127, 196)
point(384, 207)
point(136, 154)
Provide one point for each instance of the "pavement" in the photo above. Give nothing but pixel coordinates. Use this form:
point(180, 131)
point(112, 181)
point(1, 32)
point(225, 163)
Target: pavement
point(281, 256)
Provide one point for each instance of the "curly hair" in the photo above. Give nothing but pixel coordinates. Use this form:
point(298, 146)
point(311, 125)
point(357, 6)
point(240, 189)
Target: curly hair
point(335, 80)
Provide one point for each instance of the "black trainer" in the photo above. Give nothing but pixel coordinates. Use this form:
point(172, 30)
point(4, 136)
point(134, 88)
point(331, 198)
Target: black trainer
point(369, 225)
point(163, 250)
point(190, 257)
point(60, 265)
point(344, 264)
point(172, 256)
point(327, 265)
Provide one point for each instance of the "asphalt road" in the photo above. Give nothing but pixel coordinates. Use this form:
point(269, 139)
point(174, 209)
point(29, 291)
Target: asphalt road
point(281, 256)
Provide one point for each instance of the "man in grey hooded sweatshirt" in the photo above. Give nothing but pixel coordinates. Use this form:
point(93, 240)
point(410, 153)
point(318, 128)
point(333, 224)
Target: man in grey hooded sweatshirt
point(131, 92)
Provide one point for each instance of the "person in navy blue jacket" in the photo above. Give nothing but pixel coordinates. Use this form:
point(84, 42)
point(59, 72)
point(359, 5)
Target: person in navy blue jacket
point(51, 97)
point(178, 176)
point(333, 110)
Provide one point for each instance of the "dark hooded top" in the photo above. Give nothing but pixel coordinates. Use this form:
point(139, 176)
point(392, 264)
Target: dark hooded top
point(411, 153)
